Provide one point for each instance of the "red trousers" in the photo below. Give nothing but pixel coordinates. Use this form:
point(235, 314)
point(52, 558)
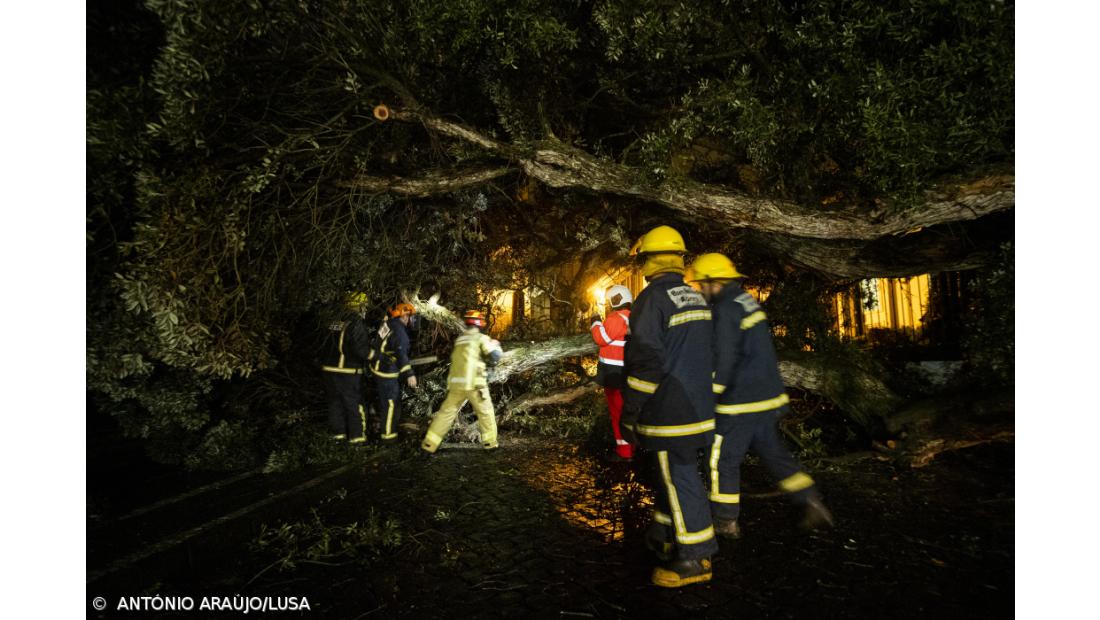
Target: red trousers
point(615, 408)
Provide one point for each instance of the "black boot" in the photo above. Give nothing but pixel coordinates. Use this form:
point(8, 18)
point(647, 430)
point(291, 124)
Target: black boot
point(679, 573)
point(664, 551)
point(727, 528)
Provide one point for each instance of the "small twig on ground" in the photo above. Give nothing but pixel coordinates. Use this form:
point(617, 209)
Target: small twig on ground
point(257, 576)
point(364, 615)
point(320, 563)
point(464, 506)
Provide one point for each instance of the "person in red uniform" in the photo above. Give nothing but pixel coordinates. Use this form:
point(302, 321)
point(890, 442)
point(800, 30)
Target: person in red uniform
point(611, 336)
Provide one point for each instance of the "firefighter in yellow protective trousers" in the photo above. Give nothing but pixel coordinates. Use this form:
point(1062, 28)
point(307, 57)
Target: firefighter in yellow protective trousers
point(467, 381)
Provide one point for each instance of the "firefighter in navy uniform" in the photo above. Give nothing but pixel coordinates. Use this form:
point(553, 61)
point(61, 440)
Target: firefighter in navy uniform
point(611, 336)
point(389, 363)
point(347, 347)
point(669, 407)
point(750, 400)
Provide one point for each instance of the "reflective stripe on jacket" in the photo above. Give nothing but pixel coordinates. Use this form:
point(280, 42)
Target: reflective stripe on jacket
point(347, 347)
point(610, 335)
point(669, 363)
point(468, 369)
point(746, 369)
point(390, 358)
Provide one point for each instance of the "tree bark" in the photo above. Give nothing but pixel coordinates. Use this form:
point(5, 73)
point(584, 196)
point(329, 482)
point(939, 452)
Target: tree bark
point(531, 400)
point(562, 166)
point(861, 395)
point(431, 183)
point(924, 252)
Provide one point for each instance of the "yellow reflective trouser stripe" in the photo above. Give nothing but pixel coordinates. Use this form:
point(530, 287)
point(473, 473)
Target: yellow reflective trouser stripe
point(389, 434)
point(796, 483)
point(690, 315)
point(753, 319)
point(384, 375)
point(717, 388)
point(715, 491)
point(682, 535)
point(760, 405)
point(675, 431)
point(641, 385)
point(346, 371)
point(341, 345)
point(363, 418)
point(694, 538)
point(662, 518)
point(673, 499)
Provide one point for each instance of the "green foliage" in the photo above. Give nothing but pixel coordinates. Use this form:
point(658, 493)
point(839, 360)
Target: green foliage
point(810, 441)
point(989, 338)
point(822, 96)
point(318, 542)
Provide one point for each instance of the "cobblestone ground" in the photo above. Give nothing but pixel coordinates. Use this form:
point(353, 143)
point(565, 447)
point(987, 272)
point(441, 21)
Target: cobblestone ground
point(543, 530)
point(547, 529)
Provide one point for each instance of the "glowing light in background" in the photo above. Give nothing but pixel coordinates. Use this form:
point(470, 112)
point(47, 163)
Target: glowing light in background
point(599, 294)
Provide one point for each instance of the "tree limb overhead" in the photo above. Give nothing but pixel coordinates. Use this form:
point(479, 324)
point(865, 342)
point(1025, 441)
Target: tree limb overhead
point(561, 166)
point(432, 183)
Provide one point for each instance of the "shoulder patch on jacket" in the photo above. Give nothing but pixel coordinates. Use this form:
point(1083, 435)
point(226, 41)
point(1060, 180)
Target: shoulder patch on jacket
point(748, 302)
point(684, 296)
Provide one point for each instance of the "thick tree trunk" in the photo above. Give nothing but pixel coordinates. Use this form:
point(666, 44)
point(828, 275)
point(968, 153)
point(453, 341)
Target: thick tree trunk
point(861, 395)
point(559, 165)
point(564, 396)
point(845, 242)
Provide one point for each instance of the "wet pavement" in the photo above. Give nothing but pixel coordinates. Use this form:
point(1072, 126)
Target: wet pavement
point(546, 529)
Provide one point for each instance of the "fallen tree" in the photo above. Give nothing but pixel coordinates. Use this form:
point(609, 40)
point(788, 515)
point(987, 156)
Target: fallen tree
point(242, 181)
point(562, 166)
point(861, 395)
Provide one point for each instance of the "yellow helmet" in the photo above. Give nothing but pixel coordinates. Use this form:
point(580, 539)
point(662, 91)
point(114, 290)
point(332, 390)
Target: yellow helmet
point(714, 266)
point(355, 301)
point(659, 240)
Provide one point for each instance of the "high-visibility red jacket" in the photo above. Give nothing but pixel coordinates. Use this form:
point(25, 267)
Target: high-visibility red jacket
point(611, 336)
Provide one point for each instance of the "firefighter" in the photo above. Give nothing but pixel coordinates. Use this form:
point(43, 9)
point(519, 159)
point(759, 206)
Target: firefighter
point(467, 381)
point(347, 347)
point(669, 407)
point(389, 362)
point(611, 336)
point(750, 400)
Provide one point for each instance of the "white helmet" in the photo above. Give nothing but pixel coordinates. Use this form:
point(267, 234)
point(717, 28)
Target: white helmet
point(619, 295)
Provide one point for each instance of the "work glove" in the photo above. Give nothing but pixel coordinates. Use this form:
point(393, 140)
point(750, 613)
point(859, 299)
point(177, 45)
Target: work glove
point(595, 318)
point(411, 381)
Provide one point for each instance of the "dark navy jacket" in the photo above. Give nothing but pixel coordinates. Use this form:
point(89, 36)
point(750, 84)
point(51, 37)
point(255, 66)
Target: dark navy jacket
point(746, 370)
point(390, 357)
point(347, 347)
point(668, 362)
